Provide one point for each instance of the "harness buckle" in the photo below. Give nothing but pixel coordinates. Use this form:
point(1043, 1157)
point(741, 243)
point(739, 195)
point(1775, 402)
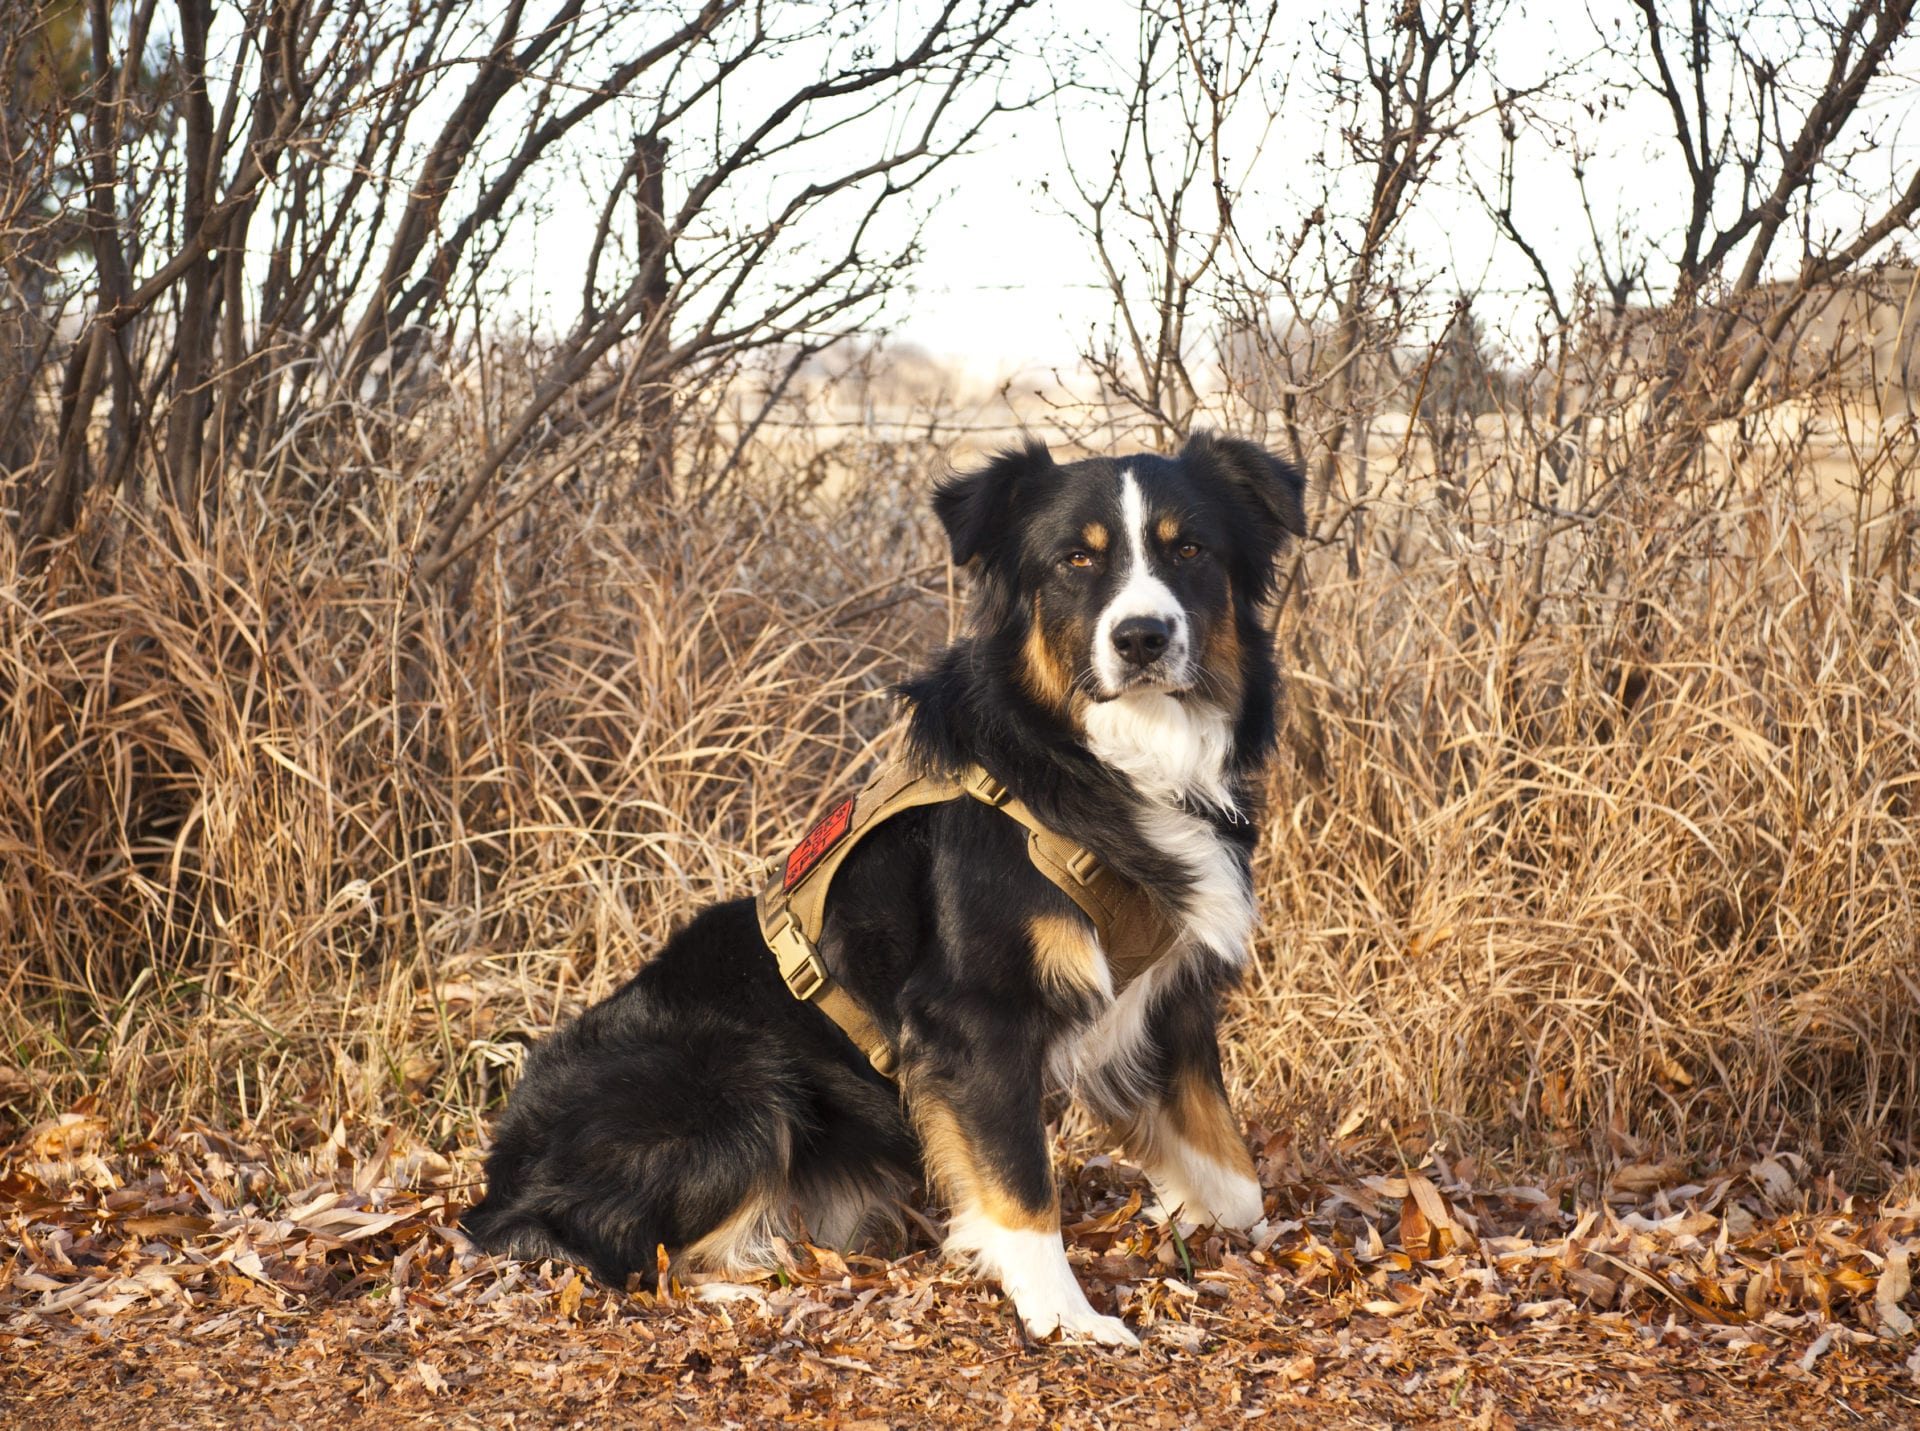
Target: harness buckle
point(800, 966)
point(1083, 864)
point(806, 978)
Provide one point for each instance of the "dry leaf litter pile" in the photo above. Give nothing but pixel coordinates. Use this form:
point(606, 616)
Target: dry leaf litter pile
point(204, 1280)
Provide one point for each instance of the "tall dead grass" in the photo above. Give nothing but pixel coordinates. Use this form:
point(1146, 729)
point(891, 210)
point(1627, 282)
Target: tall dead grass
point(1639, 874)
point(1582, 842)
point(283, 837)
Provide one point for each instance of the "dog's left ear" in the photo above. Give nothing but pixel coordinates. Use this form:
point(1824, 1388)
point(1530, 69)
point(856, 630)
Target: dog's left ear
point(1271, 488)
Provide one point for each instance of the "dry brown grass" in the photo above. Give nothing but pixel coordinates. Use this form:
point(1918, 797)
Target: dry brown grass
point(282, 840)
point(1647, 873)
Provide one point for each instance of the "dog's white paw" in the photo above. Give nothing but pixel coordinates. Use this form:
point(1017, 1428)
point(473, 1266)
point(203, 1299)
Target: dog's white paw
point(1202, 1194)
point(1081, 1324)
point(1031, 1266)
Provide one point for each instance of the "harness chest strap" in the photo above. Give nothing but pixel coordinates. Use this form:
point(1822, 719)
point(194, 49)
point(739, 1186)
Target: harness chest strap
point(792, 904)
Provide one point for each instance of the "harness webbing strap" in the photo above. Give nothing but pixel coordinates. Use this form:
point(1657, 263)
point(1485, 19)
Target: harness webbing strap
point(792, 905)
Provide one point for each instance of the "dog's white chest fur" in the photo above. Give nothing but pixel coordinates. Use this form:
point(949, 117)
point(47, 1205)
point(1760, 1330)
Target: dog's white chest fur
point(1176, 753)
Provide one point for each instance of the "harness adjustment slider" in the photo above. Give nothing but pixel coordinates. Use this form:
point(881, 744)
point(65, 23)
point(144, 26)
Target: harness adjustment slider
point(984, 788)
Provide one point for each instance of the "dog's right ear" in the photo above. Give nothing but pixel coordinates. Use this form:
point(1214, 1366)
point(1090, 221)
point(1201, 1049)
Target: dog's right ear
point(975, 507)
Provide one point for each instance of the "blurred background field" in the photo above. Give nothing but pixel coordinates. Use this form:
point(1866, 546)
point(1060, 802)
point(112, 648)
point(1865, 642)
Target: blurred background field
point(381, 680)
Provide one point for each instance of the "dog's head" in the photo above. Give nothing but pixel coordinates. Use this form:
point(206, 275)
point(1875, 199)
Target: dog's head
point(1122, 576)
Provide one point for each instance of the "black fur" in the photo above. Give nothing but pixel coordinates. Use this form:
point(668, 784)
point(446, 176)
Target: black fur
point(702, 1086)
point(643, 1122)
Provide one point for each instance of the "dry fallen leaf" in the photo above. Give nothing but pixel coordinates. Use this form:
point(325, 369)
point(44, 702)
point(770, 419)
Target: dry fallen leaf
point(1772, 1178)
point(1642, 1177)
point(67, 1135)
point(169, 1224)
point(15, 1086)
point(1890, 1287)
point(1416, 1232)
point(1445, 1229)
point(1301, 1368)
point(1597, 1287)
point(1818, 1349)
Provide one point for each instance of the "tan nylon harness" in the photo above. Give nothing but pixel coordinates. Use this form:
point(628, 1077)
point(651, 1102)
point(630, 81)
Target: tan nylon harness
point(793, 909)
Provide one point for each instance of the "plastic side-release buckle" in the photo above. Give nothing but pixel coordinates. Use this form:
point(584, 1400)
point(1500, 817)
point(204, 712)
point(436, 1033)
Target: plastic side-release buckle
point(799, 961)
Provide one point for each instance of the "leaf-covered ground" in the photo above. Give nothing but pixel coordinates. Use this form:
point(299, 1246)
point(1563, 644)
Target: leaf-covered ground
point(205, 1282)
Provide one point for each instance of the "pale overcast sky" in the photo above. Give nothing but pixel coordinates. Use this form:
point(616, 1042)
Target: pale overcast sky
point(1006, 281)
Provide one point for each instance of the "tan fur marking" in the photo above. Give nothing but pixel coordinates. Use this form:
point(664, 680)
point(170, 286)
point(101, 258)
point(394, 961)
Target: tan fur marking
point(1047, 679)
point(743, 1241)
point(1194, 1118)
point(1220, 658)
point(1204, 1120)
point(961, 1176)
point(1065, 953)
point(1167, 529)
point(1095, 536)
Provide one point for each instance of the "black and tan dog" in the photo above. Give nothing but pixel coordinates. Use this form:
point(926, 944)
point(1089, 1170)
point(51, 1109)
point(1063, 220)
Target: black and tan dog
point(1117, 679)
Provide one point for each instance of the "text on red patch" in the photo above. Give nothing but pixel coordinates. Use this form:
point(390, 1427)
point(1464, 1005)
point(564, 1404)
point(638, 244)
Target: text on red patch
point(821, 838)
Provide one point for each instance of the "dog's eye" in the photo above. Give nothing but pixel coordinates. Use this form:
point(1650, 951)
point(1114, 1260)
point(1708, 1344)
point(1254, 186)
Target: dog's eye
point(1187, 551)
point(1081, 559)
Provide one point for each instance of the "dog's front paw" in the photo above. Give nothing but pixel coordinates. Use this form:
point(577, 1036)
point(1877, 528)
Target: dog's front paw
point(1081, 1324)
point(1207, 1196)
point(1031, 1267)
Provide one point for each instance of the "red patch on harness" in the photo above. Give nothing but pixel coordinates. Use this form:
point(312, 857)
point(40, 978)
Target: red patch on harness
point(821, 838)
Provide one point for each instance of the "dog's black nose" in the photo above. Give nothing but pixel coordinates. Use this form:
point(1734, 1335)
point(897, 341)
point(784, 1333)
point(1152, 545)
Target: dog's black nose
point(1141, 640)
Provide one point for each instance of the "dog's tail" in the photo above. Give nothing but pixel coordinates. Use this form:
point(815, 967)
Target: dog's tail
point(495, 1227)
point(508, 1227)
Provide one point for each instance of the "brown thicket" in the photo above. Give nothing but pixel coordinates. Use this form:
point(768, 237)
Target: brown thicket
point(378, 683)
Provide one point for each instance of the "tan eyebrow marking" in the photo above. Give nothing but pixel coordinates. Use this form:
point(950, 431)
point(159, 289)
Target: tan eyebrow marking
point(1095, 536)
point(1168, 529)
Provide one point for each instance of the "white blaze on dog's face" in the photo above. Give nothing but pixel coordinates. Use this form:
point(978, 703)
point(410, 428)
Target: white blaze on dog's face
point(1127, 589)
point(1143, 640)
point(1099, 581)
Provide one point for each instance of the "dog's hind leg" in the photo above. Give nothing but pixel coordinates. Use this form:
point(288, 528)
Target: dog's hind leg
point(590, 1219)
point(648, 1134)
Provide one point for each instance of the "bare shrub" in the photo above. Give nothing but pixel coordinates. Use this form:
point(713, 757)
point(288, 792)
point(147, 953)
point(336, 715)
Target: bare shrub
point(295, 234)
point(278, 833)
point(1603, 705)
